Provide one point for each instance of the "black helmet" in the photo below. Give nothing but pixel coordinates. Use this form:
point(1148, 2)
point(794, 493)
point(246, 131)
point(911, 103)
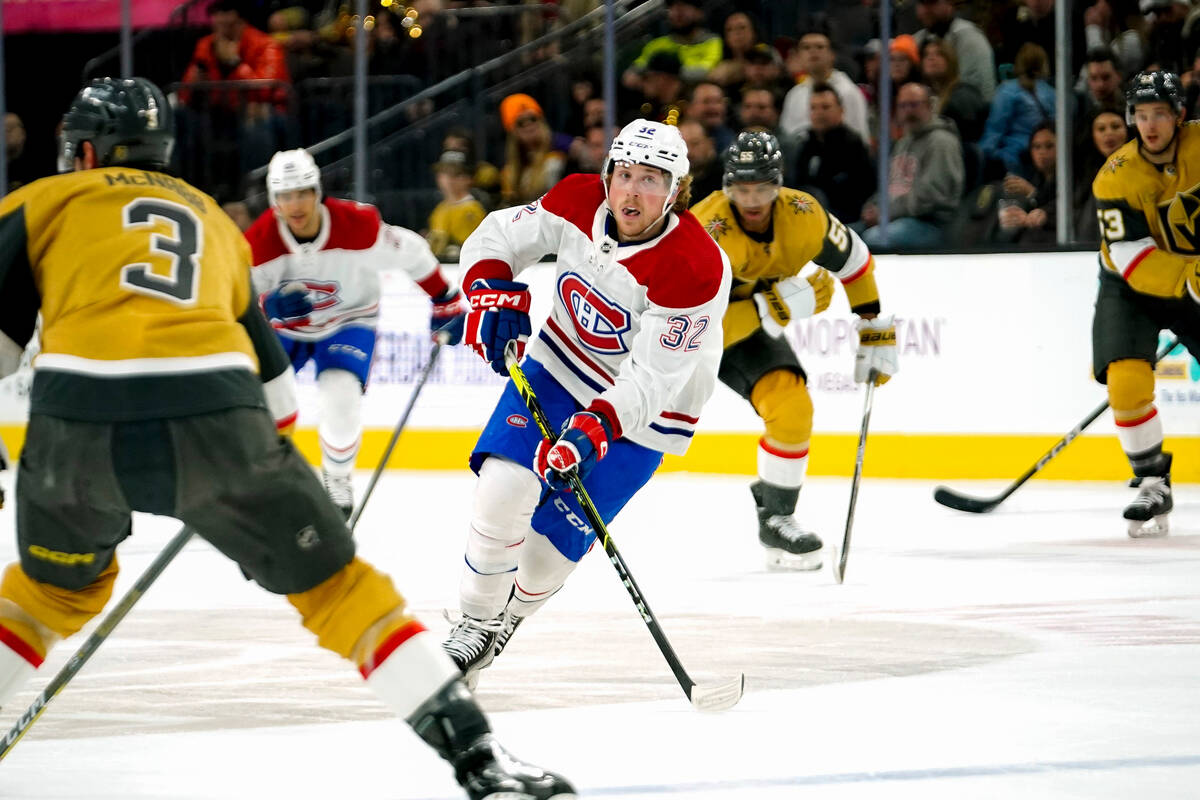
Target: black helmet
point(128, 121)
point(753, 158)
point(1159, 86)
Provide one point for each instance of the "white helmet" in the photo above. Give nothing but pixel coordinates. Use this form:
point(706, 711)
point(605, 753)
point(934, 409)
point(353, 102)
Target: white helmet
point(654, 144)
point(290, 170)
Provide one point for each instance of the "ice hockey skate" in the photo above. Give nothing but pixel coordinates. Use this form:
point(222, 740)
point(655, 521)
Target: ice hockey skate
point(340, 492)
point(1148, 514)
point(472, 645)
point(488, 772)
point(452, 724)
point(789, 547)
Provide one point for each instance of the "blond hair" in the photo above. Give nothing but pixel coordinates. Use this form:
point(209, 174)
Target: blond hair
point(683, 198)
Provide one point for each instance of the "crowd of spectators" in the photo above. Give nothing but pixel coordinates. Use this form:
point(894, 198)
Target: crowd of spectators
point(971, 112)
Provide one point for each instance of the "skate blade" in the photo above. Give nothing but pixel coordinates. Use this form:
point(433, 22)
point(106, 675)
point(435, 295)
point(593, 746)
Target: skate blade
point(783, 561)
point(1154, 528)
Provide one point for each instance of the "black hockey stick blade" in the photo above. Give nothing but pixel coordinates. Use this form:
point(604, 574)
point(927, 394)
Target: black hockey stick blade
point(718, 696)
point(961, 502)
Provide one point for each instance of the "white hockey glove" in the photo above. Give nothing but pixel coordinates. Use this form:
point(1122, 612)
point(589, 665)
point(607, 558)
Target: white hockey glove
point(876, 350)
point(792, 298)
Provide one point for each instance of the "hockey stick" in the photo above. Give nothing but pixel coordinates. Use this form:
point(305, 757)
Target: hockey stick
point(89, 647)
point(716, 697)
point(840, 566)
point(387, 453)
point(981, 505)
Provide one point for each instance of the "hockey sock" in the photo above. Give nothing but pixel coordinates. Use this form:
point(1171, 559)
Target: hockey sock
point(17, 662)
point(781, 398)
point(407, 668)
point(60, 612)
point(504, 504)
point(780, 467)
point(340, 425)
point(541, 572)
point(353, 611)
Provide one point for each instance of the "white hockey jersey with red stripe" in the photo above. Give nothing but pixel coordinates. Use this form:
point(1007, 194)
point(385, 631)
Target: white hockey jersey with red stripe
point(341, 266)
point(635, 328)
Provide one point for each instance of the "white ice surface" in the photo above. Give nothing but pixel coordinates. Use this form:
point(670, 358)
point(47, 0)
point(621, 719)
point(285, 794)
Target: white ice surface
point(1034, 652)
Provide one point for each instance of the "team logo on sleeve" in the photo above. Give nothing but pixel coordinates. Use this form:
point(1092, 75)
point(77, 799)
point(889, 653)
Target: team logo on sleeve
point(800, 205)
point(717, 227)
point(598, 321)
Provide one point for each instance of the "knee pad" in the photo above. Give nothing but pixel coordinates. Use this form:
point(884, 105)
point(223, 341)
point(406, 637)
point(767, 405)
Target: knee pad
point(47, 608)
point(1130, 388)
point(781, 398)
point(340, 425)
point(505, 497)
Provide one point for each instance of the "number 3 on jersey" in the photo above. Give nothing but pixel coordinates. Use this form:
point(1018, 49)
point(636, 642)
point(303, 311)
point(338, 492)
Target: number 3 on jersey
point(182, 247)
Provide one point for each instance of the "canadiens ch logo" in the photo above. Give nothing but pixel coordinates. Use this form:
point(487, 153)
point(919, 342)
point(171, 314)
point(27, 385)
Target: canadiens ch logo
point(717, 227)
point(517, 420)
point(800, 205)
point(323, 294)
point(598, 321)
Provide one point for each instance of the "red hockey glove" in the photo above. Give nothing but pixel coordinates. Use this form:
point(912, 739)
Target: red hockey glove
point(583, 442)
point(499, 314)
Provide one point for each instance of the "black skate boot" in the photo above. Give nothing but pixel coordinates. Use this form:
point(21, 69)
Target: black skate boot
point(452, 724)
point(1147, 514)
point(788, 545)
point(340, 492)
point(472, 645)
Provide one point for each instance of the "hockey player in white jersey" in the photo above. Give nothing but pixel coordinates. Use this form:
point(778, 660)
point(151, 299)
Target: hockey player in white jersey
point(624, 363)
point(316, 268)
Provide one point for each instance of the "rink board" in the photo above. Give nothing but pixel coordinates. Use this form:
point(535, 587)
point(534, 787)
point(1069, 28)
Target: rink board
point(995, 355)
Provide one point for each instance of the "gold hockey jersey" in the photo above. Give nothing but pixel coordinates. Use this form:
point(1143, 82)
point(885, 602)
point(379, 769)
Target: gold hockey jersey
point(800, 231)
point(451, 222)
point(143, 284)
point(1148, 215)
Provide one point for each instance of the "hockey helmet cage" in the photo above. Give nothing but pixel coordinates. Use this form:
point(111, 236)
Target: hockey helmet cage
point(290, 170)
point(1158, 86)
point(127, 120)
point(754, 157)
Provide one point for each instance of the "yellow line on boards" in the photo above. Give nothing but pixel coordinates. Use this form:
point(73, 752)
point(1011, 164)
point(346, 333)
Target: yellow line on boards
point(889, 455)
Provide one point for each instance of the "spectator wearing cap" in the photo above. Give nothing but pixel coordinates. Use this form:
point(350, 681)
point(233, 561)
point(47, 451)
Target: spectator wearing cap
point(661, 96)
point(816, 58)
point(708, 105)
point(697, 48)
point(459, 213)
point(486, 178)
point(532, 163)
point(832, 161)
point(976, 60)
